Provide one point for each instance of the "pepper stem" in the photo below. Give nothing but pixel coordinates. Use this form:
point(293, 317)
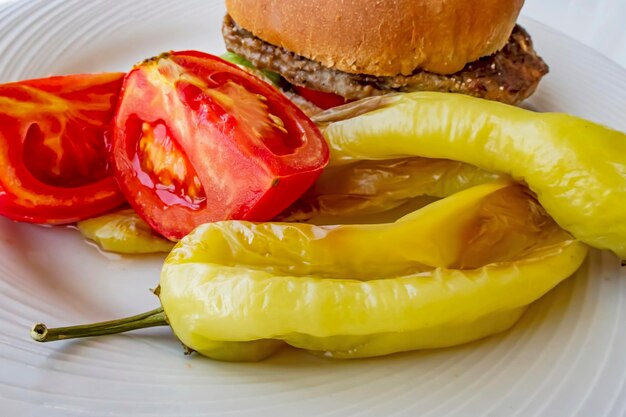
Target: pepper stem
point(41, 333)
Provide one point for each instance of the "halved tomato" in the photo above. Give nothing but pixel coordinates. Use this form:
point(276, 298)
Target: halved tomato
point(195, 139)
point(52, 148)
point(321, 99)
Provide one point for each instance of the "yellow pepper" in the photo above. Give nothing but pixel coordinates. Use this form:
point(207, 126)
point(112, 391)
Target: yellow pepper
point(454, 271)
point(124, 231)
point(576, 168)
point(370, 187)
point(457, 270)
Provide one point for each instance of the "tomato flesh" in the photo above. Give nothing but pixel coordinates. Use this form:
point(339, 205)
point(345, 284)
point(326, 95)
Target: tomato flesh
point(321, 99)
point(163, 166)
point(52, 148)
point(196, 139)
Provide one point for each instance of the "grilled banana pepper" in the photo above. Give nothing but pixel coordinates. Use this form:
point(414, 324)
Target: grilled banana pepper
point(454, 271)
point(123, 231)
point(373, 187)
point(576, 168)
point(457, 270)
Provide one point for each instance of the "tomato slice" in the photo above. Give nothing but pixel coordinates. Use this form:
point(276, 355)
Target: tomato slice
point(319, 98)
point(195, 139)
point(52, 148)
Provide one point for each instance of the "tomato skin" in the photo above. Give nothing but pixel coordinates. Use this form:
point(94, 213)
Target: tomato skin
point(320, 98)
point(195, 139)
point(52, 148)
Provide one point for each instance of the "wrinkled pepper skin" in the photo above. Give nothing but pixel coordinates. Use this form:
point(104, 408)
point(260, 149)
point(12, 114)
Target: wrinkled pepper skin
point(371, 187)
point(576, 168)
point(454, 271)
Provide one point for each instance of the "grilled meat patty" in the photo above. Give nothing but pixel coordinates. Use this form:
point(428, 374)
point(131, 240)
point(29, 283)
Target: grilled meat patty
point(509, 76)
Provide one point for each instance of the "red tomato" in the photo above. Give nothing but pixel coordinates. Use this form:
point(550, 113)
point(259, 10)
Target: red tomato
point(52, 148)
point(319, 98)
point(196, 139)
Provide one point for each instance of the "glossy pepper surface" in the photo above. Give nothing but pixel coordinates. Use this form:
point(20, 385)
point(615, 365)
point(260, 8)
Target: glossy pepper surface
point(576, 168)
point(372, 187)
point(457, 270)
point(123, 231)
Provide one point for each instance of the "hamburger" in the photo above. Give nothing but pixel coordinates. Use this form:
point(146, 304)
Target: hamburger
point(333, 51)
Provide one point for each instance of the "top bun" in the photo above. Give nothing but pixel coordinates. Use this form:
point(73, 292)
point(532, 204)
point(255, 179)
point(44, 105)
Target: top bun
point(382, 37)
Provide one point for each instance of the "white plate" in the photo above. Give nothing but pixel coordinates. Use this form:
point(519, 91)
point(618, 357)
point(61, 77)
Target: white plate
point(565, 358)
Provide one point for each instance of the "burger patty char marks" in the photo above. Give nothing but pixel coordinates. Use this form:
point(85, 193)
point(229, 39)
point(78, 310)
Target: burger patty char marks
point(509, 76)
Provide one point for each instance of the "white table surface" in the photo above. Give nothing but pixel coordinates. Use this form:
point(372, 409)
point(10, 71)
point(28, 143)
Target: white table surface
point(600, 24)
